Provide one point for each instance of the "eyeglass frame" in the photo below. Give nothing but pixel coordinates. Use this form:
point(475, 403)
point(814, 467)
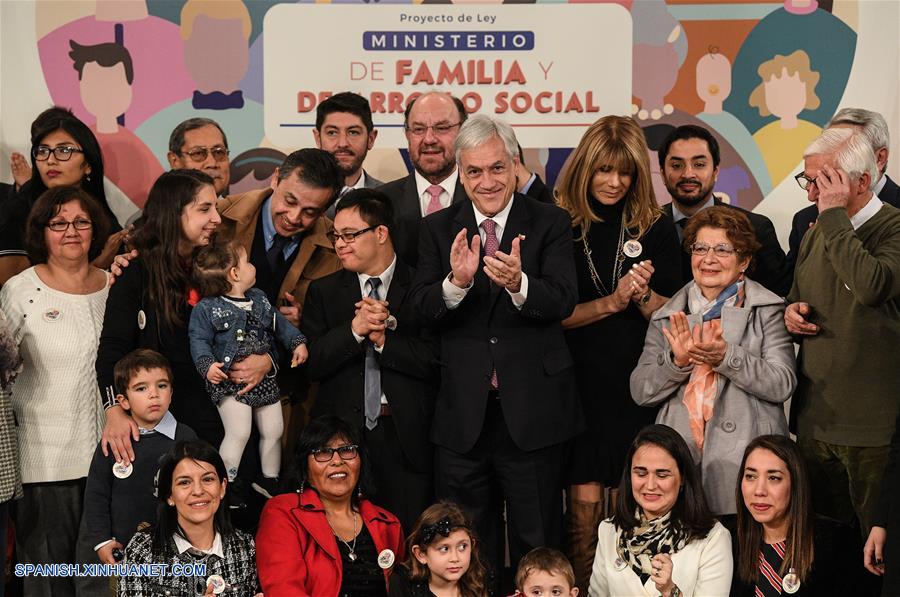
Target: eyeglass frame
point(206, 151)
point(333, 236)
point(727, 249)
point(332, 451)
point(439, 130)
point(72, 223)
point(67, 150)
point(809, 181)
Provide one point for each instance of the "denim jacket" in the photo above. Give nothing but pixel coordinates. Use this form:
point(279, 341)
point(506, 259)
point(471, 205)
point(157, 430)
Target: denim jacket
point(217, 327)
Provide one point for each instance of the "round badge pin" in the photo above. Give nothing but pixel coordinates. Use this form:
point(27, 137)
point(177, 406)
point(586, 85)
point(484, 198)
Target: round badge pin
point(386, 559)
point(620, 564)
point(142, 319)
point(632, 248)
point(217, 582)
point(52, 315)
point(122, 471)
point(791, 582)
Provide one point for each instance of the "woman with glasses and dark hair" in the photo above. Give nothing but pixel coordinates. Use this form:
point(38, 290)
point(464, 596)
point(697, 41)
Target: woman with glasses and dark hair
point(64, 152)
point(661, 539)
point(717, 356)
point(780, 546)
point(193, 532)
point(326, 539)
point(55, 310)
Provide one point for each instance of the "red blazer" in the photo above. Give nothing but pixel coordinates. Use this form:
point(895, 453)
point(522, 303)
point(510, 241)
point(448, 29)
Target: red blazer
point(297, 553)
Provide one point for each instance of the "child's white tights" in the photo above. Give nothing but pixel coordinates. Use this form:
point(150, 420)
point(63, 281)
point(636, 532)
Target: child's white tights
point(236, 418)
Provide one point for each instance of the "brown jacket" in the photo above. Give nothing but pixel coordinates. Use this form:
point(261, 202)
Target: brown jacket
point(315, 258)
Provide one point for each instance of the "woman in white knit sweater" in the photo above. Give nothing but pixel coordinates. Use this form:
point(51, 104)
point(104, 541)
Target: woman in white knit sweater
point(55, 311)
point(662, 539)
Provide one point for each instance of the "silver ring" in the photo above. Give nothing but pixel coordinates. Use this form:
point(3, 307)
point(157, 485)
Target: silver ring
point(242, 380)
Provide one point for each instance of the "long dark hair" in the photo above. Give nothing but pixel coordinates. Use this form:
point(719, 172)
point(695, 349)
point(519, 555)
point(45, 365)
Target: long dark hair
point(474, 582)
point(799, 546)
point(166, 515)
point(316, 435)
point(60, 119)
point(159, 237)
point(690, 512)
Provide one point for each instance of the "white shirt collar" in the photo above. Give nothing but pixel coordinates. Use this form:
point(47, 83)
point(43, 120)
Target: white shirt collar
point(183, 545)
point(865, 214)
point(386, 276)
point(499, 219)
point(879, 186)
point(677, 214)
point(448, 184)
point(166, 426)
point(360, 183)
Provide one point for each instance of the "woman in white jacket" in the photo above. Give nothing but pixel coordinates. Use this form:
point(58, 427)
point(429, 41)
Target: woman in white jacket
point(662, 539)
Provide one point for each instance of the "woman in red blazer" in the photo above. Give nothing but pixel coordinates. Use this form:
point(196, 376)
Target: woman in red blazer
point(325, 540)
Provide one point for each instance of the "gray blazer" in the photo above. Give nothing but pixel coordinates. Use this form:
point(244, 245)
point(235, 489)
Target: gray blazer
point(757, 375)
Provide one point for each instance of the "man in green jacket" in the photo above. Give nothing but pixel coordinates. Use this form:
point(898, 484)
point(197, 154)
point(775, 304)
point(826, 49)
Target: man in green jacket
point(844, 310)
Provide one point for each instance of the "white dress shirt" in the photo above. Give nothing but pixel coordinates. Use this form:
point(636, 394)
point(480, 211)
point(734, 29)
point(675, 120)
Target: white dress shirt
point(446, 198)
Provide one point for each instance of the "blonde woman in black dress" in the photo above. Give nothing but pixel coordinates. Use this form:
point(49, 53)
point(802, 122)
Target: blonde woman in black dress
point(628, 263)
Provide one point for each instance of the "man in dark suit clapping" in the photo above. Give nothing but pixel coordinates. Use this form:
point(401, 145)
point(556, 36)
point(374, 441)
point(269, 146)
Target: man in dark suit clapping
point(496, 277)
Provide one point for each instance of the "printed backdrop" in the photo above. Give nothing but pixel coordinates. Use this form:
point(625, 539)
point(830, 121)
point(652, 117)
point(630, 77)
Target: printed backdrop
point(764, 76)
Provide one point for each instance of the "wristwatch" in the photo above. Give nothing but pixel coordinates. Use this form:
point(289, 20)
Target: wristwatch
point(676, 592)
point(643, 300)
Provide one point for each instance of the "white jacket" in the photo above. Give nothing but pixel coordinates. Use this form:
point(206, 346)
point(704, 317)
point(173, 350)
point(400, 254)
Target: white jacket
point(702, 569)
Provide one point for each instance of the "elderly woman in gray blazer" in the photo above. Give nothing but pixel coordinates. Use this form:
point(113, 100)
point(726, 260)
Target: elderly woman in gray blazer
point(717, 356)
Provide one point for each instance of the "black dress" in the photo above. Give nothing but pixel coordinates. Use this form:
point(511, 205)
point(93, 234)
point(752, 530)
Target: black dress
point(605, 352)
point(837, 565)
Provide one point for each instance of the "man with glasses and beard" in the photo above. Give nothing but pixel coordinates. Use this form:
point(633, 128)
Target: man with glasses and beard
point(344, 128)
point(689, 163)
point(432, 122)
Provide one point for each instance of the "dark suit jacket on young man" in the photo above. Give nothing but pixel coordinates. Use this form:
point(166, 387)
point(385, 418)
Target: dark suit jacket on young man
point(485, 331)
point(408, 362)
point(409, 377)
point(807, 216)
point(770, 267)
point(404, 196)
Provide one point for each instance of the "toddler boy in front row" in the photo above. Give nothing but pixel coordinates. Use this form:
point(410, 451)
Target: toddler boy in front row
point(120, 497)
point(545, 572)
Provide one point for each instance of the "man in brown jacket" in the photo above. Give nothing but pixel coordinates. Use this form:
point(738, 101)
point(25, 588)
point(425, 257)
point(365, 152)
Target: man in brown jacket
point(283, 229)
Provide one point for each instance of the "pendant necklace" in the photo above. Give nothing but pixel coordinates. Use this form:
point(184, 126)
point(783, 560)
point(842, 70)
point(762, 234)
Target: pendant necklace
point(617, 262)
point(350, 546)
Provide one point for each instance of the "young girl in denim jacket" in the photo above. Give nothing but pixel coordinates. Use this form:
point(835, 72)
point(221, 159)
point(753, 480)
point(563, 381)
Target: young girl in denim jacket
point(232, 321)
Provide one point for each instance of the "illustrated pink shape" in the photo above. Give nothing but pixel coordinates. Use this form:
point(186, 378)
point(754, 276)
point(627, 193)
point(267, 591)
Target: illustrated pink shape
point(155, 44)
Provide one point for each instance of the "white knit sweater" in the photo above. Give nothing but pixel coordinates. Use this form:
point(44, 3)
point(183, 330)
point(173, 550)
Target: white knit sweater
point(56, 399)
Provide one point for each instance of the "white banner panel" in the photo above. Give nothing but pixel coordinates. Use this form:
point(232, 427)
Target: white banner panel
point(549, 70)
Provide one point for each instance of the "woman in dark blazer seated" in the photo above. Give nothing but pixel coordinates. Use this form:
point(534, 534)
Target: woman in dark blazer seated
point(780, 546)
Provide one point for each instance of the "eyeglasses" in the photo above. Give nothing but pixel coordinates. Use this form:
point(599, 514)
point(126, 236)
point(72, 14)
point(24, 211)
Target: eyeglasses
point(439, 130)
point(805, 181)
point(198, 154)
point(348, 452)
point(63, 153)
point(702, 249)
point(63, 225)
point(347, 237)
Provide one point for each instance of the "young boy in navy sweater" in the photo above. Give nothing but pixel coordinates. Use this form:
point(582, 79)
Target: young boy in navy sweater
point(119, 497)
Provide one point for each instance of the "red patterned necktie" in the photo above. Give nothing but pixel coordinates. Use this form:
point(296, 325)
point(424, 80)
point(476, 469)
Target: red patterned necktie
point(434, 204)
point(490, 247)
